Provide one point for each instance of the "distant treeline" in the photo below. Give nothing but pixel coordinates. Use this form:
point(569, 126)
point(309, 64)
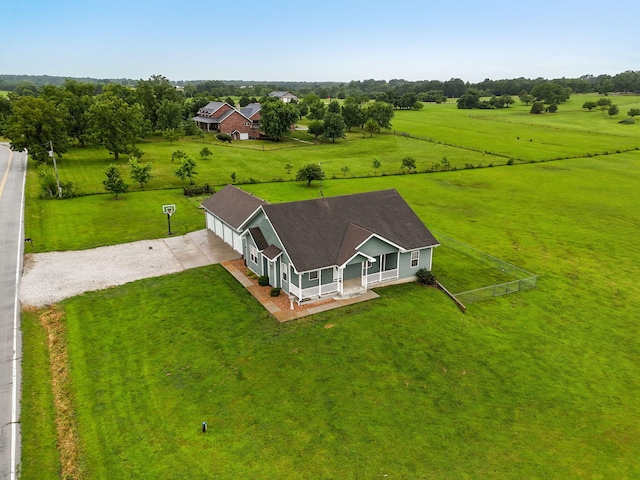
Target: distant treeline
point(426, 90)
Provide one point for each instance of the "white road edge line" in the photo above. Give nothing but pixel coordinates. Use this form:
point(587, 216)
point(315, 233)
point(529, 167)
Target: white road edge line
point(14, 390)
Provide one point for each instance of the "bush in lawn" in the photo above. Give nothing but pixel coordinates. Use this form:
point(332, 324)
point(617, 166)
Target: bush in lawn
point(194, 190)
point(537, 108)
point(49, 186)
point(263, 280)
point(628, 121)
point(275, 292)
point(426, 277)
point(224, 137)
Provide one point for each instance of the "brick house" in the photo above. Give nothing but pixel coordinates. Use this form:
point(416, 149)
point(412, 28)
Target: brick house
point(220, 117)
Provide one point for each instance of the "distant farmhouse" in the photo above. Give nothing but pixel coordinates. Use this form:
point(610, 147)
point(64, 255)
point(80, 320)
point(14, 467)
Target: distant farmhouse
point(286, 97)
point(220, 117)
point(335, 246)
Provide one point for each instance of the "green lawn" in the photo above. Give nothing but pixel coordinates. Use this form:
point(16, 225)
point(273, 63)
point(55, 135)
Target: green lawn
point(541, 384)
point(98, 220)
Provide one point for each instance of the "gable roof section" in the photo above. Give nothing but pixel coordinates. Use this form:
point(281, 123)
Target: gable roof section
point(232, 205)
point(319, 233)
point(354, 236)
point(258, 238)
point(250, 110)
point(212, 107)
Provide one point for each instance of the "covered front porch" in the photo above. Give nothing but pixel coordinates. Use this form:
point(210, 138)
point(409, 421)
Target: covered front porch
point(349, 280)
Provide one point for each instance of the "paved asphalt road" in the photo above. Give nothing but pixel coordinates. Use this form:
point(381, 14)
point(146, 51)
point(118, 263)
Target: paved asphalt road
point(12, 174)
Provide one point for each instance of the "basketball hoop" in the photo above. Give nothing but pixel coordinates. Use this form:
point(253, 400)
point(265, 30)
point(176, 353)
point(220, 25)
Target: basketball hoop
point(169, 210)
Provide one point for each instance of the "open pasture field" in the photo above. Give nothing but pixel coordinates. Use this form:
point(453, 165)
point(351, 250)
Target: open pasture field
point(481, 137)
point(541, 384)
point(515, 133)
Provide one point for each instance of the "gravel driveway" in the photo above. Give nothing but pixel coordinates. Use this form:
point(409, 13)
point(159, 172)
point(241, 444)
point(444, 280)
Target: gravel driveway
point(54, 276)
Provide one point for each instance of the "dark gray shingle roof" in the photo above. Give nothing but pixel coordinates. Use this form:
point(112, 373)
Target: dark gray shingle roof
point(250, 110)
point(319, 233)
point(232, 205)
point(258, 238)
point(271, 252)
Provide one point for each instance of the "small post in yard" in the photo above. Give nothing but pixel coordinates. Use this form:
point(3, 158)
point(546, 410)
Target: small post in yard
point(204, 427)
point(55, 167)
point(169, 210)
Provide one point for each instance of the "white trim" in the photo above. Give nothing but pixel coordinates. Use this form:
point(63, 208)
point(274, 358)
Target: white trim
point(379, 237)
point(368, 257)
point(253, 254)
point(282, 247)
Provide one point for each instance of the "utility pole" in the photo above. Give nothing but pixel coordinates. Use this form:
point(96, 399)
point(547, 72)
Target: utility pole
point(55, 167)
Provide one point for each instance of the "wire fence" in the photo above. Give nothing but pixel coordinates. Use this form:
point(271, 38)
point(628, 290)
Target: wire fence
point(523, 280)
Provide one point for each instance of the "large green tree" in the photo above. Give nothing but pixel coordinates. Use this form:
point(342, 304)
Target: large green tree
point(170, 115)
point(334, 126)
point(115, 124)
point(470, 99)
point(151, 93)
point(34, 124)
point(277, 118)
point(78, 99)
point(550, 92)
point(310, 172)
point(381, 112)
point(352, 113)
point(317, 110)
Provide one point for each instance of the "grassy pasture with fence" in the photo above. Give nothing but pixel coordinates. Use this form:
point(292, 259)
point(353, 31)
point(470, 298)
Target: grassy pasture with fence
point(540, 384)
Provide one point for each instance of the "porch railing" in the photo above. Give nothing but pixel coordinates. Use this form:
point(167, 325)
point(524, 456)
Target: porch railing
point(312, 292)
point(379, 277)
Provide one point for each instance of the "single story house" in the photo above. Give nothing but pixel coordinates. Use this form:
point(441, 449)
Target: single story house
point(220, 117)
point(334, 246)
point(286, 97)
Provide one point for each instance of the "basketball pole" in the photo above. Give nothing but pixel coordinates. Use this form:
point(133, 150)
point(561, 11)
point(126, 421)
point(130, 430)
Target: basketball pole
point(169, 221)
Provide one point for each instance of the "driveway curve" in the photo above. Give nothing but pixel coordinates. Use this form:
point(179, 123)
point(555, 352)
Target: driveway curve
point(51, 277)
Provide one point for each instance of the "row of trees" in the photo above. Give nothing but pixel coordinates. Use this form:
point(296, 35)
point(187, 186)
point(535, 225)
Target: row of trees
point(328, 122)
point(117, 118)
point(425, 90)
point(550, 93)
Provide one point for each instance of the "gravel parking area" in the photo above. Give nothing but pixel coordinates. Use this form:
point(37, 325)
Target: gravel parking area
point(54, 276)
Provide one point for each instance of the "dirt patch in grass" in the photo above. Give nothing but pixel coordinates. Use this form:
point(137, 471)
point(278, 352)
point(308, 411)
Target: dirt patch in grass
point(52, 320)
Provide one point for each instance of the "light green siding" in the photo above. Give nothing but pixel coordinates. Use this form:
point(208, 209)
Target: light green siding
point(374, 247)
point(405, 262)
point(254, 267)
point(326, 275)
point(353, 271)
point(306, 283)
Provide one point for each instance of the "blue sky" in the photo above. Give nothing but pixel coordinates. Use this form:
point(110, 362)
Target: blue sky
point(334, 40)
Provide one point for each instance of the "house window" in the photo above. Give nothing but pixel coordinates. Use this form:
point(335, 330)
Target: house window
point(284, 273)
point(368, 264)
point(313, 275)
point(415, 259)
point(253, 254)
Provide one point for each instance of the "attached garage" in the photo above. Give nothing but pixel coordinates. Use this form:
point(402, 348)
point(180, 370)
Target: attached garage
point(227, 210)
